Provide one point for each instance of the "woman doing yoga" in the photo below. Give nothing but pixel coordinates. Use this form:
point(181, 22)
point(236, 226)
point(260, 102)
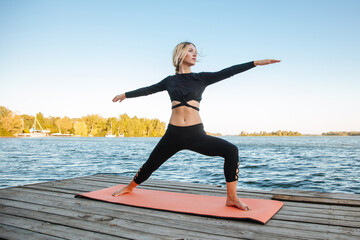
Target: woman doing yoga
point(185, 129)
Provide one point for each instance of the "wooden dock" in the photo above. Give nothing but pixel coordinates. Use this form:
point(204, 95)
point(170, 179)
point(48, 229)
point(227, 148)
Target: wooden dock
point(50, 211)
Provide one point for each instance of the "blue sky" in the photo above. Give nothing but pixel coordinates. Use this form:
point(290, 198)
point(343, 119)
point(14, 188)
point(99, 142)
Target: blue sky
point(72, 57)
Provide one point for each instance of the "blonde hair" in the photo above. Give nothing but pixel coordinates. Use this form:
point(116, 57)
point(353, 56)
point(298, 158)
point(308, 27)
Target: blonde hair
point(179, 54)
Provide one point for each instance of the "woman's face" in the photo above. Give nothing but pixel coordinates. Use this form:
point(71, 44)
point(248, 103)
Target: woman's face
point(190, 57)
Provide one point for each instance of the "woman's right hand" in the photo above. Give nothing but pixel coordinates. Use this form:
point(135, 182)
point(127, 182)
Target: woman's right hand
point(119, 98)
point(265, 62)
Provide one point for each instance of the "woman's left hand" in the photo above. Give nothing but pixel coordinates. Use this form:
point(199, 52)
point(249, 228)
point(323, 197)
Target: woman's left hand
point(265, 62)
point(119, 98)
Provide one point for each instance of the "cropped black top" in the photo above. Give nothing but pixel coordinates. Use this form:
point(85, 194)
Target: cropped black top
point(189, 86)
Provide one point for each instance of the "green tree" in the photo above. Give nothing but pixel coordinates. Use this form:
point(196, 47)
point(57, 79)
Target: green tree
point(81, 128)
point(28, 121)
point(48, 124)
point(54, 128)
point(10, 124)
point(124, 121)
point(158, 128)
point(114, 122)
point(65, 124)
point(96, 125)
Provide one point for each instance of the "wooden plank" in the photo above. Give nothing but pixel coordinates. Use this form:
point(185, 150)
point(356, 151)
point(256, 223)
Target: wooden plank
point(308, 212)
point(167, 221)
point(86, 215)
point(324, 221)
point(301, 206)
point(212, 235)
point(300, 233)
point(282, 197)
point(175, 184)
point(89, 186)
point(201, 219)
point(93, 225)
point(340, 220)
point(110, 225)
point(302, 193)
point(241, 194)
point(208, 191)
point(114, 178)
point(313, 227)
point(327, 212)
point(15, 233)
point(79, 184)
point(301, 210)
point(66, 188)
point(117, 179)
point(112, 182)
point(28, 197)
point(43, 227)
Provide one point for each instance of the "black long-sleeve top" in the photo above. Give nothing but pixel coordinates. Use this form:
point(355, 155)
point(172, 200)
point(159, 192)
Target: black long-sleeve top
point(189, 86)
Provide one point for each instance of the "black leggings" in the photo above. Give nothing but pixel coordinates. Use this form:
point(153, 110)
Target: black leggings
point(195, 139)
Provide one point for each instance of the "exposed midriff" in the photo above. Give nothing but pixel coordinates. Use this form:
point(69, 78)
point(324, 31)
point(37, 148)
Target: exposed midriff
point(185, 116)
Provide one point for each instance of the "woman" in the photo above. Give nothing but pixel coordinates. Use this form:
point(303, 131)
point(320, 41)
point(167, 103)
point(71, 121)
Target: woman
point(185, 129)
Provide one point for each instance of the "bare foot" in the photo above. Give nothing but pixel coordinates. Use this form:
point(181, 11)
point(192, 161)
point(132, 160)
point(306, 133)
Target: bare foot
point(237, 203)
point(122, 191)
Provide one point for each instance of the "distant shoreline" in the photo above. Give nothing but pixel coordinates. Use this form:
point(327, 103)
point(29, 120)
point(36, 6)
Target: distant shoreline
point(13, 125)
point(304, 135)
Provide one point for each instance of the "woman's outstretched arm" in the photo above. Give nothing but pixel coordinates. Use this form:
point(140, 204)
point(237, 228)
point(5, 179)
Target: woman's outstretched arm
point(213, 77)
point(158, 87)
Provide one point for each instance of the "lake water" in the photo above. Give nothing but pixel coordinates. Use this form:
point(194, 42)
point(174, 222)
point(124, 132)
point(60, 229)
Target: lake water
point(327, 164)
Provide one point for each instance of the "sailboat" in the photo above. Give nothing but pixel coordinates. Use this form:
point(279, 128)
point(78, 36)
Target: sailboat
point(110, 134)
point(35, 132)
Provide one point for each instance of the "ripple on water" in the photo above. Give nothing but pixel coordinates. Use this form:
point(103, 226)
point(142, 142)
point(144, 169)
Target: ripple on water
point(306, 163)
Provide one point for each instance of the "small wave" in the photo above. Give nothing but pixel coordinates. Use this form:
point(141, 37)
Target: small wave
point(254, 166)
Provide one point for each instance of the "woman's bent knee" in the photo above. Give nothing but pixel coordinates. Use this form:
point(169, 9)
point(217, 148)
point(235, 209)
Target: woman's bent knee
point(231, 151)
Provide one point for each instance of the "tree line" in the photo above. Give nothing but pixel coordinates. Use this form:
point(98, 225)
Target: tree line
point(341, 134)
point(12, 124)
point(269, 134)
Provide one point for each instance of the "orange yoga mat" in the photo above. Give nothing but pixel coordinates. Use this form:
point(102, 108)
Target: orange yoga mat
point(261, 209)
